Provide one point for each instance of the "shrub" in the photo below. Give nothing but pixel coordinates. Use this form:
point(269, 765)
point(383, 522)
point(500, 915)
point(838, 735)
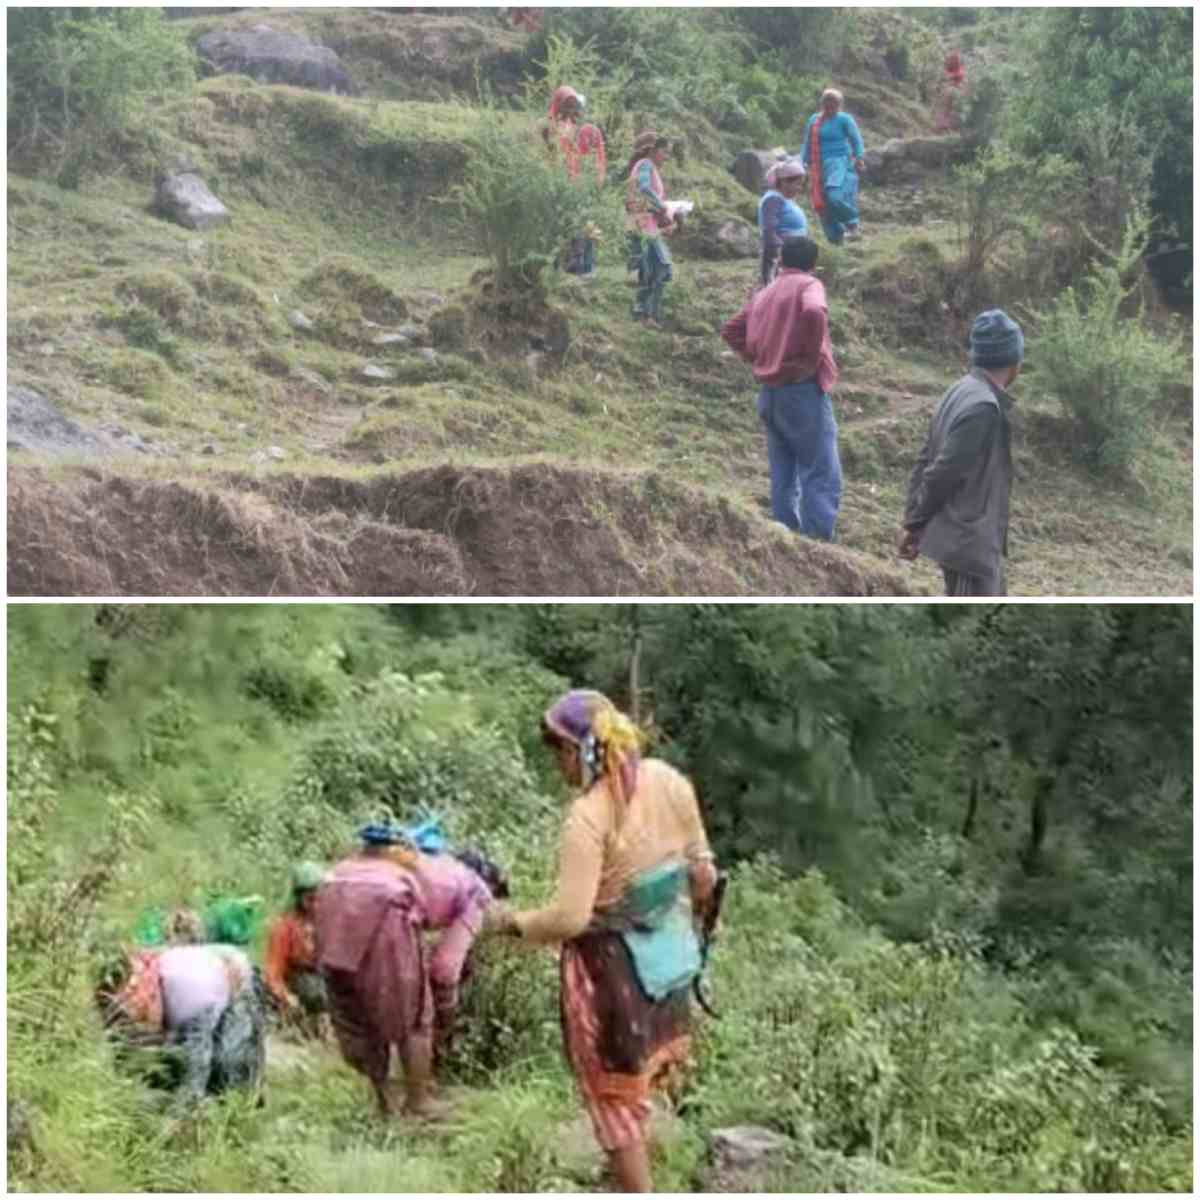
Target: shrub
point(76, 76)
point(521, 202)
point(1107, 369)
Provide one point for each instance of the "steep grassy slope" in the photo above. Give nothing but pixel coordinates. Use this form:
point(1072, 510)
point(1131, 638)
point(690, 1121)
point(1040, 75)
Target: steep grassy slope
point(343, 209)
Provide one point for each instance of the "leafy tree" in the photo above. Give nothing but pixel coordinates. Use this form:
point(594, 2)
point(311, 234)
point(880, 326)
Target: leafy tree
point(1132, 60)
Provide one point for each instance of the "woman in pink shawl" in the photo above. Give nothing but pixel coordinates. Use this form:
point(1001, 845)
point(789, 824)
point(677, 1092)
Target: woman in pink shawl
point(369, 915)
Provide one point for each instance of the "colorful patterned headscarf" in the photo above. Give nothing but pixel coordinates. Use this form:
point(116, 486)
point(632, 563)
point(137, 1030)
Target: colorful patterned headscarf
point(608, 741)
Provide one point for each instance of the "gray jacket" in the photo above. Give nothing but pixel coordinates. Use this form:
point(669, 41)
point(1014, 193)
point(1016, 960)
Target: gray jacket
point(958, 491)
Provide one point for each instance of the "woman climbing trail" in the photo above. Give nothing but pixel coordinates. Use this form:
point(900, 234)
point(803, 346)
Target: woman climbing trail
point(779, 216)
point(369, 915)
point(648, 222)
point(635, 872)
point(202, 1004)
point(832, 148)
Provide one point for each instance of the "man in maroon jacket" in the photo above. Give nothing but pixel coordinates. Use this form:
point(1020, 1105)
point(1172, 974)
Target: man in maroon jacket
point(783, 332)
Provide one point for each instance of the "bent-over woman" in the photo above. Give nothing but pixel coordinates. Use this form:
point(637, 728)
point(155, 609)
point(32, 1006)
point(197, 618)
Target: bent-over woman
point(369, 915)
point(635, 868)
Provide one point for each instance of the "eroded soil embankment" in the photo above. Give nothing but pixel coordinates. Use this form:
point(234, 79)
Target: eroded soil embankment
point(532, 530)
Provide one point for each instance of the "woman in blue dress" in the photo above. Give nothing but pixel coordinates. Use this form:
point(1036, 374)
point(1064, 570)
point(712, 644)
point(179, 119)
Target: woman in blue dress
point(779, 216)
point(832, 148)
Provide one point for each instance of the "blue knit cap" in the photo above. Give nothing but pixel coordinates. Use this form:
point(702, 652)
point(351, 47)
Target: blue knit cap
point(996, 340)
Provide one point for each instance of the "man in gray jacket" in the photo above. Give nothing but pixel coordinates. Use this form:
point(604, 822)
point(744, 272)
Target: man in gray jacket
point(957, 508)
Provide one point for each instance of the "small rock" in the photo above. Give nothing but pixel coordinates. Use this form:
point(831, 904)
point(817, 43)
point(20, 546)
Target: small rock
point(313, 379)
point(376, 372)
point(391, 339)
point(412, 332)
point(210, 448)
point(242, 427)
point(427, 354)
point(47, 348)
point(534, 360)
point(297, 320)
point(258, 457)
point(278, 453)
point(747, 1145)
point(186, 200)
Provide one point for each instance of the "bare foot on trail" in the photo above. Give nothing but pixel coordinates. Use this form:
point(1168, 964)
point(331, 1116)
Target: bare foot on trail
point(431, 1108)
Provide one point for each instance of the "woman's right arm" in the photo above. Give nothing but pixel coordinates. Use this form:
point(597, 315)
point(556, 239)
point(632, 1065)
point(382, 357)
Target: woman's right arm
point(581, 857)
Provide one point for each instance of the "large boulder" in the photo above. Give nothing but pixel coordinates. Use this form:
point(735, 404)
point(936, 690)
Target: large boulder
point(270, 56)
point(750, 169)
point(718, 237)
point(902, 160)
point(184, 198)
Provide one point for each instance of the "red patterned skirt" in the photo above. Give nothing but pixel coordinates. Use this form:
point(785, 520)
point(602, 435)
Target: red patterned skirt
point(620, 1044)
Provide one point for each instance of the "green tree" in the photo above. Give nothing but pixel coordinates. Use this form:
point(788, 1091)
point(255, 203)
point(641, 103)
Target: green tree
point(1135, 61)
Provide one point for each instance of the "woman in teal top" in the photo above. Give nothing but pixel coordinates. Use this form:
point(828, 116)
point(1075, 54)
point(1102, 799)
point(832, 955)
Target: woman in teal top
point(779, 216)
point(832, 148)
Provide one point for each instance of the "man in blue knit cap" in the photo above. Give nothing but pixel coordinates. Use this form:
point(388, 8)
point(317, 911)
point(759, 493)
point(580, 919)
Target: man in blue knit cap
point(957, 508)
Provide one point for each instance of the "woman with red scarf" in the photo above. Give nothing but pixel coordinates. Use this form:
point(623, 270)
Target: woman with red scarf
point(832, 148)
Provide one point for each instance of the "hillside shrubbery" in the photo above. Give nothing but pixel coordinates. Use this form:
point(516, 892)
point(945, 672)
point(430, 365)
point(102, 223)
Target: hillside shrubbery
point(893, 1064)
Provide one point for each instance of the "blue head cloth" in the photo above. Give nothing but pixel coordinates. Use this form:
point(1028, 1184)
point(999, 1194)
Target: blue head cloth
point(380, 834)
point(426, 835)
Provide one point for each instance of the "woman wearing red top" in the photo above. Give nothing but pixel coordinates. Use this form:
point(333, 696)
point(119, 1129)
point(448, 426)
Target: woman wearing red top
point(291, 962)
point(564, 134)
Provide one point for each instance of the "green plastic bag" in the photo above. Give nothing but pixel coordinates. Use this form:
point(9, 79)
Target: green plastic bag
point(233, 921)
point(150, 928)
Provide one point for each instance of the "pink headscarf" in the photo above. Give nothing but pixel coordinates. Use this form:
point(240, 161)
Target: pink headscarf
point(561, 95)
point(790, 168)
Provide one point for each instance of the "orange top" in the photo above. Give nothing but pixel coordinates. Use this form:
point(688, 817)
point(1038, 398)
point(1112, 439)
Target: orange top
point(290, 946)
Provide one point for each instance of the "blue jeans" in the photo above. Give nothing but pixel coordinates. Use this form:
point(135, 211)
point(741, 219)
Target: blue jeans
point(806, 475)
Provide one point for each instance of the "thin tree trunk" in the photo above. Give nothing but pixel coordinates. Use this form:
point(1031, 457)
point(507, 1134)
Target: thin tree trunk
point(972, 809)
point(1038, 822)
point(635, 662)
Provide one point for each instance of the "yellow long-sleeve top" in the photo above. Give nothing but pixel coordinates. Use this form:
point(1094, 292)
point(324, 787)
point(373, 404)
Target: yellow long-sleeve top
point(603, 851)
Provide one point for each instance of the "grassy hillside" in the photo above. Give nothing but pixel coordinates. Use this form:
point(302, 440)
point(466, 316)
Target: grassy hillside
point(157, 754)
point(344, 209)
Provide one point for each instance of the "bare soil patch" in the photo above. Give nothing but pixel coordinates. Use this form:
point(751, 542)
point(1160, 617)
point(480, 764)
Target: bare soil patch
point(529, 530)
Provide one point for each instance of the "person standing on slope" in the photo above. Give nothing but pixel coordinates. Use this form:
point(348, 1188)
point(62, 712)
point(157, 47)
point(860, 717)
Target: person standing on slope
point(832, 148)
point(783, 332)
point(957, 508)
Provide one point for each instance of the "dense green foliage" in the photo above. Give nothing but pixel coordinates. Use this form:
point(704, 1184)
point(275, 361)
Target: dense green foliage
point(963, 963)
point(1081, 63)
point(1115, 379)
point(79, 75)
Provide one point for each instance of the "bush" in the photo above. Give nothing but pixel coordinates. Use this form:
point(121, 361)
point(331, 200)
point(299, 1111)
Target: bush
point(1109, 372)
point(76, 76)
point(521, 202)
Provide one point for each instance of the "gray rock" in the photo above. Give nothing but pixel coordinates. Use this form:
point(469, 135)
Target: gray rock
point(412, 332)
point(744, 1157)
point(391, 339)
point(375, 372)
point(313, 379)
point(750, 169)
point(426, 354)
point(186, 200)
point(278, 453)
point(297, 320)
point(35, 424)
point(738, 239)
point(270, 56)
point(908, 159)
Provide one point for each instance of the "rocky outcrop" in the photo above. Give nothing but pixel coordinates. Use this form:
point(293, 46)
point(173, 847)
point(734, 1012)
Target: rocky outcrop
point(36, 425)
point(744, 1158)
point(750, 169)
point(903, 160)
point(185, 199)
point(270, 56)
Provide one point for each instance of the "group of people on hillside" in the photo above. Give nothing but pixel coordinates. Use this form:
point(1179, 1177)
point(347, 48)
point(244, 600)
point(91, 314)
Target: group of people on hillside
point(636, 882)
point(956, 508)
